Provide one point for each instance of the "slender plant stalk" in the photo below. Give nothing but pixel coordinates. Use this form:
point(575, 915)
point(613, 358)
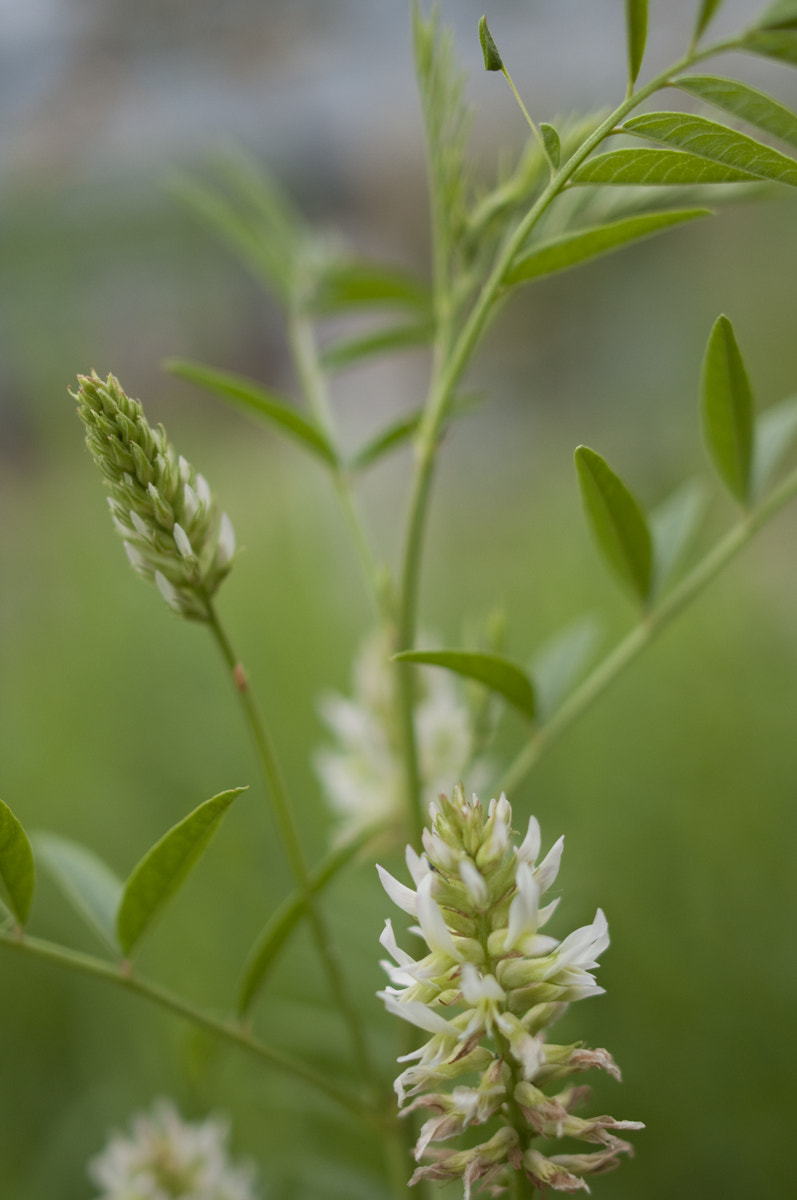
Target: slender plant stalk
point(314, 386)
point(293, 849)
point(445, 381)
point(121, 976)
point(643, 634)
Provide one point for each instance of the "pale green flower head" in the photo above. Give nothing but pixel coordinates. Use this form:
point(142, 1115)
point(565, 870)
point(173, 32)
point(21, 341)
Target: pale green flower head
point(173, 531)
point(486, 990)
point(363, 773)
point(164, 1157)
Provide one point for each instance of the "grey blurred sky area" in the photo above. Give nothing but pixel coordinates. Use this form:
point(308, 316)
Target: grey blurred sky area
point(121, 85)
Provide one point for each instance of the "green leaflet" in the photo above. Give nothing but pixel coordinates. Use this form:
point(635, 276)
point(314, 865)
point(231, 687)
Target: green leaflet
point(164, 867)
point(660, 167)
point(382, 341)
point(780, 15)
point(389, 439)
point(781, 45)
point(636, 29)
point(16, 864)
point(718, 143)
point(551, 142)
point(673, 525)
point(284, 920)
point(705, 13)
point(727, 410)
point(775, 433)
point(557, 664)
point(490, 53)
point(351, 285)
point(495, 672)
point(617, 522)
point(570, 249)
point(247, 395)
point(745, 102)
point(90, 886)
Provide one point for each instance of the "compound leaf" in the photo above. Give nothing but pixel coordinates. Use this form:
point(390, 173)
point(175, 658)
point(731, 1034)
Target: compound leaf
point(16, 864)
point(163, 868)
point(745, 102)
point(570, 249)
point(617, 522)
point(775, 433)
point(667, 168)
point(493, 670)
point(717, 143)
point(90, 886)
point(254, 399)
point(727, 410)
point(636, 29)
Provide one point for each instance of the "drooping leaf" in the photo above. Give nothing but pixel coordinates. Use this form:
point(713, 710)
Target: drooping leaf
point(745, 102)
point(381, 341)
point(727, 410)
point(774, 43)
point(717, 143)
point(617, 522)
point(705, 13)
point(775, 434)
point(351, 285)
point(89, 884)
point(570, 249)
point(285, 919)
point(164, 867)
point(673, 525)
point(667, 168)
point(780, 15)
point(551, 142)
point(636, 29)
point(256, 400)
point(389, 439)
point(493, 670)
point(558, 663)
point(16, 864)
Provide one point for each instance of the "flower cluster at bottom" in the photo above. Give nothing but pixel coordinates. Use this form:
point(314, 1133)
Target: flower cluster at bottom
point(167, 1158)
point(487, 989)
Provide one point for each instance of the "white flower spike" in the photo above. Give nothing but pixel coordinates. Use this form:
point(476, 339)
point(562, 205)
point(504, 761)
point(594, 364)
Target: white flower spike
point(487, 989)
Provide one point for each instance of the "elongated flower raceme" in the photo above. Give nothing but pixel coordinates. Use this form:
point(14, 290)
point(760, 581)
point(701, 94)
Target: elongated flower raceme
point(489, 986)
point(164, 1157)
point(172, 529)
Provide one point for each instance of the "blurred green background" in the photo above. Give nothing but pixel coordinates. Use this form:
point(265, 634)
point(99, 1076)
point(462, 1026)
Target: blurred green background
point(676, 794)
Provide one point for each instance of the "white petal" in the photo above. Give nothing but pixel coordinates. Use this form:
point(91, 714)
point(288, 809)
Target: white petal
point(139, 524)
point(476, 987)
point(417, 865)
point(472, 877)
point(225, 547)
point(524, 909)
point(191, 501)
point(435, 931)
point(168, 591)
point(136, 558)
point(402, 896)
point(182, 541)
point(529, 848)
point(548, 869)
point(417, 1014)
point(203, 491)
point(388, 940)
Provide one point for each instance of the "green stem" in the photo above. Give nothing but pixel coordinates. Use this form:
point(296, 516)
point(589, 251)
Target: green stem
point(314, 386)
point(445, 381)
point(293, 849)
point(644, 633)
point(122, 976)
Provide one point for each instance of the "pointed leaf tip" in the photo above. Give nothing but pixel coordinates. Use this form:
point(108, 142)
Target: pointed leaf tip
point(164, 867)
point(16, 864)
point(617, 522)
point(727, 410)
point(491, 53)
point(495, 672)
point(636, 24)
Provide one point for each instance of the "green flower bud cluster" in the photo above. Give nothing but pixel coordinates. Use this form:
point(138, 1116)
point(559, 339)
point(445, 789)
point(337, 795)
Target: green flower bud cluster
point(486, 991)
point(172, 529)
